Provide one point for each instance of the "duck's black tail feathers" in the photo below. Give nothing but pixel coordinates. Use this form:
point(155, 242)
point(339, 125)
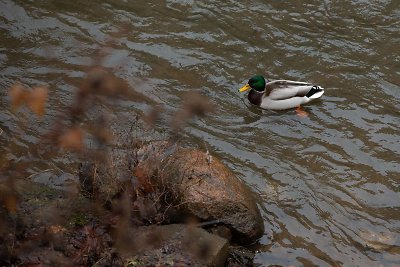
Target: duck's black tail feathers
point(315, 92)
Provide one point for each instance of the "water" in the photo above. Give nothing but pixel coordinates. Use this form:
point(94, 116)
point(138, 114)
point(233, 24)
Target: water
point(328, 184)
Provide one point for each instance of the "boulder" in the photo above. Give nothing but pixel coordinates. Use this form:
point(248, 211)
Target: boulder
point(204, 187)
point(187, 182)
point(174, 245)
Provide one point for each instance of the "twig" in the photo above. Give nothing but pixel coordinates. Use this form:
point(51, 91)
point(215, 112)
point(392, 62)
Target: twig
point(208, 223)
point(208, 155)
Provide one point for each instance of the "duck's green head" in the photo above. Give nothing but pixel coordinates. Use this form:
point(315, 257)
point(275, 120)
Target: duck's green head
point(256, 82)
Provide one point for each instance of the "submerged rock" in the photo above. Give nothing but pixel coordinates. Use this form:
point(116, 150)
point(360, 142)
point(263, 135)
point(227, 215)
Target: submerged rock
point(379, 241)
point(205, 188)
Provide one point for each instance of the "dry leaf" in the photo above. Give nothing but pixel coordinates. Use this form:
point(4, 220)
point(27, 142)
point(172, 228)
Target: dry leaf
point(103, 136)
point(8, 198)
point(101, 131)
point(72, 139)
point(197, 104)
point(153, 115)
point(54, 229)
point(194, 104)
point(37, 100)
point(10, 203)
point(18, 95)
point(143, 180)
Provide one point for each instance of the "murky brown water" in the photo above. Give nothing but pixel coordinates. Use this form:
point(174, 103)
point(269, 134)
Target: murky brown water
point(328, 184)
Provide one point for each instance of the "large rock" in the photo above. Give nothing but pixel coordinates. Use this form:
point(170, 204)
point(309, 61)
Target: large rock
point(174, 245)
point(205, 188)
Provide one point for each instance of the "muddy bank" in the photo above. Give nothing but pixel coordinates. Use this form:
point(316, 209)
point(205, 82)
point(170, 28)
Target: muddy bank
point(168, 184)
point(57, 228)
point(170, 206)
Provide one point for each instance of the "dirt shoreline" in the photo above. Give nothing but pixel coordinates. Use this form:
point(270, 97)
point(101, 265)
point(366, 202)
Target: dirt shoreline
point(118, 226)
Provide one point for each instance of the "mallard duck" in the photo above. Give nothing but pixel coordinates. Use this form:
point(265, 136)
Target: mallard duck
point(280, 94)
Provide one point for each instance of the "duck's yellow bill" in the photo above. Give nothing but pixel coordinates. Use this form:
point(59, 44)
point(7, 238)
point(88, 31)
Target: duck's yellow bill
point(244, 88)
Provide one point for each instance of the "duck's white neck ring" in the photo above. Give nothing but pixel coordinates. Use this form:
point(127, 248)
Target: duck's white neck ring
point(255, 97)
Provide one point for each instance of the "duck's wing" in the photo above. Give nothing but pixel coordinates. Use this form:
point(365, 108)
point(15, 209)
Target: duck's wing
point(285, 89)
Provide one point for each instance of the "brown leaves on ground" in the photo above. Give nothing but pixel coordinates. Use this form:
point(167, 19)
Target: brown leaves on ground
point(91, 242)
point(55, 229)
point(35, 99)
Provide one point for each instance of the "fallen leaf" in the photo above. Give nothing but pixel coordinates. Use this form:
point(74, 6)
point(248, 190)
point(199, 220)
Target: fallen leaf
point(11, 203)
point(143, 180)
point(54, 229)
point(37, 100)
point(8, 197)
point(197, 104)
point(18, 95)
point(72, 139)
point(153, 115)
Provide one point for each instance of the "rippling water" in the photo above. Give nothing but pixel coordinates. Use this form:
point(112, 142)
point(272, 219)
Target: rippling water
point(328, 184)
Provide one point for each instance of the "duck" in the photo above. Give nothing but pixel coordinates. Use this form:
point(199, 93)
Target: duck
point(280, 94)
